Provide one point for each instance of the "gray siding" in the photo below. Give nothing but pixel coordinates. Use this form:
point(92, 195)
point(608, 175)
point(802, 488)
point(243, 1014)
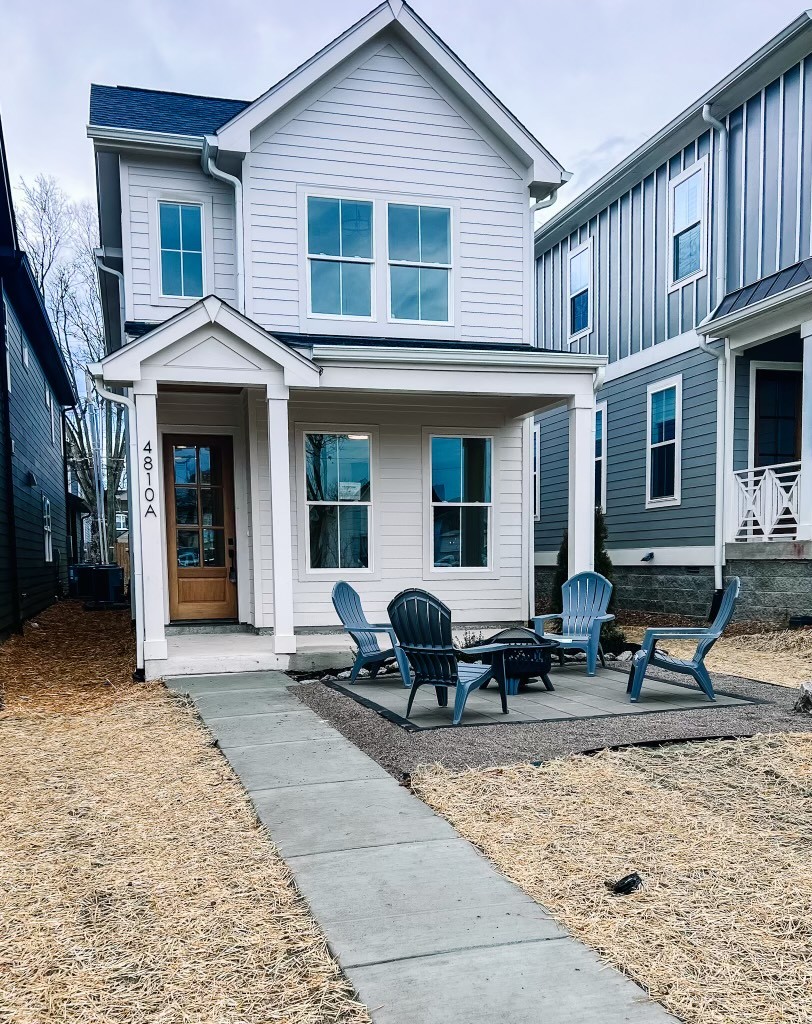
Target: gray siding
point(629, 522)
point(769, 228)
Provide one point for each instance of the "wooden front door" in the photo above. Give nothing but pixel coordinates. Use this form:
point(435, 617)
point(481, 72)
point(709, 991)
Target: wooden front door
point(199, 478)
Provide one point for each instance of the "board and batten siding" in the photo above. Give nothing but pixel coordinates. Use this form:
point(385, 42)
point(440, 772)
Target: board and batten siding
point(401, 515)
point(143, 181)
point(385, 130)
point(629, 523)
point(769, 228)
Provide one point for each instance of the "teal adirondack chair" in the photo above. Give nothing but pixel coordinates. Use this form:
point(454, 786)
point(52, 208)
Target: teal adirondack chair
point(347, 604)
point(584, 600)
point(706, 637)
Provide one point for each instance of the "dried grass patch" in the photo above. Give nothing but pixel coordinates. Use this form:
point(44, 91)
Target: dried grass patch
point(720, 831)
point(776, 656)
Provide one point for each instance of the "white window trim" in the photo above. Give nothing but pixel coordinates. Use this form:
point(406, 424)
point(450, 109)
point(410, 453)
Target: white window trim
point(305, 569)
point(458, 571)
point(571, 254)
point(600, 407)
point(536, 482)
point(755, 366)
point(651, 390)
point(372, 263)
point(698, 166)
point(429, 266)
point(25, 355)
point(206, 204)
point(47, 529)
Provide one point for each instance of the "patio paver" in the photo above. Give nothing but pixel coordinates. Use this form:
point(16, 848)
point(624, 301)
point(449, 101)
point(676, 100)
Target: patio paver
point(426, 929)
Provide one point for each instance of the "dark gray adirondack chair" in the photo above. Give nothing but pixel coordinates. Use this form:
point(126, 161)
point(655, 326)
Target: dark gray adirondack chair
point(422, 624)
point(584, 600)
point(347, 604)
point(695, 666)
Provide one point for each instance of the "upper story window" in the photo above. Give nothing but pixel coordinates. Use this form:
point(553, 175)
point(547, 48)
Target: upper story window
point(687, 220)
point(340, 256)
point(461, 502)
point(600, 455)
point(180, 228)
point(338, 486)
point(579, 278)
point(664, 443)
point(419, 239)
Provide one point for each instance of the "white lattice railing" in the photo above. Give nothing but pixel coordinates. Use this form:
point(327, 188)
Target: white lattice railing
point(765, 502)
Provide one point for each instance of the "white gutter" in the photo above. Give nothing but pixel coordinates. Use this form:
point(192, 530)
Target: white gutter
point(720, 258)
point(99, 254)
point(209, 167)
point(136, 568)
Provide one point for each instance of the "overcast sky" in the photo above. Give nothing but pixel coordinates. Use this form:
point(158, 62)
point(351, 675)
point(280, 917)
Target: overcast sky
point(590, 78)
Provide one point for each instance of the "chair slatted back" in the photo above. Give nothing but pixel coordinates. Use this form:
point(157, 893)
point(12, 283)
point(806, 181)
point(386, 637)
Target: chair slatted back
point(347, 604)
point(422, 624)
point(727, 607)
point(583, 597)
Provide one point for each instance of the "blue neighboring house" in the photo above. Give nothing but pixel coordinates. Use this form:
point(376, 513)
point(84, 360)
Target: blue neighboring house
point(34, 392)
point(690, 266)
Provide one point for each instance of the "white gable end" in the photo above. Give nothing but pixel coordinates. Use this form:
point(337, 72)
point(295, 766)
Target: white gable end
point(212, 354)
point(388, 129)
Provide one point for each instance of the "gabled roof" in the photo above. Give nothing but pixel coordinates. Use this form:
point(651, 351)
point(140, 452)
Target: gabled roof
point(764, 66)
point(150, 110)
point(8, 225)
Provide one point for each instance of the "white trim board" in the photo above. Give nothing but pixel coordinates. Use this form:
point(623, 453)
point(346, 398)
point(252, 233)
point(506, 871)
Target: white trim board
point(689, 555)
point(677, 346)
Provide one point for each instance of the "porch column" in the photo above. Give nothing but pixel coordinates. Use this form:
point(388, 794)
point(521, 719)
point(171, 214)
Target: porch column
point(281, 540)
point(581, 522)
point(150, 495)
point(805, 494)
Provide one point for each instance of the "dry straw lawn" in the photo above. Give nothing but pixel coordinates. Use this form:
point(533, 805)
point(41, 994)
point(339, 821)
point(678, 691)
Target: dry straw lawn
point(773, 656)
point(136, 884)
point(720, 831)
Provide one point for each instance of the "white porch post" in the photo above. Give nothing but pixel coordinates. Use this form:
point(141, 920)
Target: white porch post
point(581, 522)
point(150, 496)
point(805, 495)
point(279, 470)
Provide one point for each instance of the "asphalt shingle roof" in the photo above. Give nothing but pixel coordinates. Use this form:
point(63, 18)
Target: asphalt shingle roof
point(119, 106)
point(736, 301)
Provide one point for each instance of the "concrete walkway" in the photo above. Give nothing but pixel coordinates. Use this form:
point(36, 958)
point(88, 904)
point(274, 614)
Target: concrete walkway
point(426, 930)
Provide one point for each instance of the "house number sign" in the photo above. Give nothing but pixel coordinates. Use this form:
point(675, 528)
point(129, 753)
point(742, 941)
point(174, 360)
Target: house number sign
point(148, 466)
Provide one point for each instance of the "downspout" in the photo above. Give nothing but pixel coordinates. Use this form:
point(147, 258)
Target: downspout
point(136, 568)
point(209, 167)
point(542, 204)
point(721, 355)
point(99, 254)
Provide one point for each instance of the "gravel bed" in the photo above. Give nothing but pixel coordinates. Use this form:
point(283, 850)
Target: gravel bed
point(400, 752)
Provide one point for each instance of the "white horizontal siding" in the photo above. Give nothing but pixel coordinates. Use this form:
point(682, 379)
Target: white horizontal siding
point(385, 129)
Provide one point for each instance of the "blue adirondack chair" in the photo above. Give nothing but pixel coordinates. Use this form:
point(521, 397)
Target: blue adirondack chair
point(706, 637)
point(422, 624)
point(347, 604)
point(584, 600)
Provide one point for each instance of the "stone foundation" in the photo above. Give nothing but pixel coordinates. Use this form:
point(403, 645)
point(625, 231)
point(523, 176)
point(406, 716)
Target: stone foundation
point(773, 589)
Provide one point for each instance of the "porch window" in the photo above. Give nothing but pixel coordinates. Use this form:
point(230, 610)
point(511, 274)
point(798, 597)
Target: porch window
point(419, 262)
point(580, 291)
point(339, 253)
point(600, 456)
point(461, 501)
point(339, 499)
point(181, 249)
point(664, 447)
point(687, 224)
point(47, 530)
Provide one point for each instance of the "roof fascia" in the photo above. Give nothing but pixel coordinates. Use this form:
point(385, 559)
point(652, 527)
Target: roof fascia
point(139, 139)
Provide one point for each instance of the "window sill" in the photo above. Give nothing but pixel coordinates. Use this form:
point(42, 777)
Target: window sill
point(653, 503)
point(683, 281)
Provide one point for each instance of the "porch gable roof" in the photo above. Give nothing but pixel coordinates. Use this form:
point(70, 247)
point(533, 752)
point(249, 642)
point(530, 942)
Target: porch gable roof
point(221, 346)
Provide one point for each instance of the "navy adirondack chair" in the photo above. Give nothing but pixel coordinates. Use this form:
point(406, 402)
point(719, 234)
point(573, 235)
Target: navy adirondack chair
point(584, 600)
point(347, 604)
point(706, 637)
point(422, 624)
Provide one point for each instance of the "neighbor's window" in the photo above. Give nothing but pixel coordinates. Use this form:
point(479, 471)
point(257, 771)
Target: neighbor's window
point(687, 218)
point(419, 262)
point(339, 500)
point(181, 242)
point(664, 442)
point(461, 501)
point(600, 455)
point(536, 471)
point(580, 287)
point(47, 530)
point(339, 253)
point(25, 355)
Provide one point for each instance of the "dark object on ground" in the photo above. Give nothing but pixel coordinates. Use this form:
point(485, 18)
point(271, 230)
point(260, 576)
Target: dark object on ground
point(624, 886)
point(98, 583)
point(804, 703)
point(531, 657)
point(106, 606)
point(800, 621)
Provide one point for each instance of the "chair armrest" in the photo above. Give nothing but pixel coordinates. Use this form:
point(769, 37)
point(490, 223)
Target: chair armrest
point(476, 652)
point(675, 633)
point(366, 627)
point(539, 620)
point(604, 618)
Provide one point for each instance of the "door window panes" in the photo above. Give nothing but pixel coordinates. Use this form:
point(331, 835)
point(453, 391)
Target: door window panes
point(199, 503)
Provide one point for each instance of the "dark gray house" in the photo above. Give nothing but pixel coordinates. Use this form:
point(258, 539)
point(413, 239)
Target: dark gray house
point(34, 391)
point(689, 265)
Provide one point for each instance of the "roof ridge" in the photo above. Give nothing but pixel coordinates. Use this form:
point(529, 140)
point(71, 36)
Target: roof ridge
point(169, 92)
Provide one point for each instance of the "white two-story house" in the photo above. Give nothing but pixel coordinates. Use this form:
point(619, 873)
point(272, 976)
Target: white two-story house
point(320, 311)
